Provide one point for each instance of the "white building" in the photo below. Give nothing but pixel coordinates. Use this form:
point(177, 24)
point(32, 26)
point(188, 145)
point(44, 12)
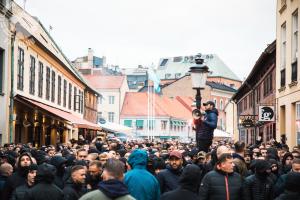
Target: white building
point(171, 118)
point(5, 69)
point(112, 90)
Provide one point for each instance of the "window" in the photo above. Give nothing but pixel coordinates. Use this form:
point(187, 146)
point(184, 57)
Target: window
point(245, 103)
point(99, 115)
point(20, 79)
point(41, 78)
point(268, 85)
point(163, 125)
point(167, 76)
point(139, 124)
point(258, 94)
point(81, 102)
point(283, 47)
point(75, 105)
point(177, 75)
point(70, 96)
point(111, 116)
point(128, 123)
point(59, 90)
point(151, 124)
point(221, 104)
point(295, 36)
point(282, 78)
point(177, 59)
point(163, 62)
point(48, 83)
point(53, 87)
point(65, 94)
point(100, 99)
point(215, 101)
point(32, 76)
point(1, 69)
point(250, 100)
point(294, 71)
point(111, 100)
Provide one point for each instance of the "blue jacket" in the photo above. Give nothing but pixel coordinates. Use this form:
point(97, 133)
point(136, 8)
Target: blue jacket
point(141, 184)
point(205, 129)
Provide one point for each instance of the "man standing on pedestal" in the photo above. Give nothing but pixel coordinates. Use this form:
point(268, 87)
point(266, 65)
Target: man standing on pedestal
point(206, 126)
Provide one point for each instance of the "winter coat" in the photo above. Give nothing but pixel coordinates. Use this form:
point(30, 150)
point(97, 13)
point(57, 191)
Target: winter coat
point(218, 185)
point(240, 165)
point(141, 184)
point(45, 189)
point(168, 179)
point(188, 185)
point(109, 190)
point(73, 191)
point(279, 185)
point(58, 162)
point(205, 129)
point(3, 180)
point(20, 192)
point(17, 179)
point(256, 188)
point(289, 196)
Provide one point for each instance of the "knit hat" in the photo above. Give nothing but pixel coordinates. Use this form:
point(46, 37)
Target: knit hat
point(262, 165)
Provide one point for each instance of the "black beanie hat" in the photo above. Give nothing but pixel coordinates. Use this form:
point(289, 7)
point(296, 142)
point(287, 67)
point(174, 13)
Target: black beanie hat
point(262, 165)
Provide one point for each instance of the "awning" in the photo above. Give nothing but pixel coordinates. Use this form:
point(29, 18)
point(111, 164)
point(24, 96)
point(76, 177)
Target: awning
point(113, 127)
point(140, 123)
point(128, 123)
point(76, 121)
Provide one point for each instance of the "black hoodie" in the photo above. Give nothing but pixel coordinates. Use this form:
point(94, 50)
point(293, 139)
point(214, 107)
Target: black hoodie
point(188, 185)
point(113, 188)
point(17, 179)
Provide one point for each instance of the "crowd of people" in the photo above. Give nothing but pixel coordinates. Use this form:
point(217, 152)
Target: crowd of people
point(149, 170)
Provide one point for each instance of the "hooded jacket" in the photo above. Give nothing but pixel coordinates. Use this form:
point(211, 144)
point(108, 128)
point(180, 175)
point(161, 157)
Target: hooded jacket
point(205, 129)
point(188, 185)
point(58, 162)
point(45, 189)
point(141, 184)
point(73, 191)
point(286, 168)
point(169, 179)
point(17, 179)
point(108, 190)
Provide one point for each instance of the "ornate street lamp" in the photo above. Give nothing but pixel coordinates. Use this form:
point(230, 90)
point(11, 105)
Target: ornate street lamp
point(199, 75)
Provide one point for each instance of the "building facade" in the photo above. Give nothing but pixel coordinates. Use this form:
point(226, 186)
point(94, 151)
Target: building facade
point(48, 92)
point(287, 71)
point(258, 90)
point(112, 90)
point(5, 62)
point(168, 117)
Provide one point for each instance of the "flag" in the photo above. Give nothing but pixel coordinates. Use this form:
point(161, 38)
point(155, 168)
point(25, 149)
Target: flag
point(153, 77)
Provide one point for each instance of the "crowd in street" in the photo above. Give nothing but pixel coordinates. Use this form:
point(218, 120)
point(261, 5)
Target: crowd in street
point(146, 170)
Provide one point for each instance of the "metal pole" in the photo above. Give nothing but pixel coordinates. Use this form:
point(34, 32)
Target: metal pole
point(11, 107)
point(198, 98)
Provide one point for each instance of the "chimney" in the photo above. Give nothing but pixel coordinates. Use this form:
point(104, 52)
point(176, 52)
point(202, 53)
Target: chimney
point(90, 58)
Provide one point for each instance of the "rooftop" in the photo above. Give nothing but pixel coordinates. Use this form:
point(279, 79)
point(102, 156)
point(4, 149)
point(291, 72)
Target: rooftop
point(135, 104)
point(105, 82)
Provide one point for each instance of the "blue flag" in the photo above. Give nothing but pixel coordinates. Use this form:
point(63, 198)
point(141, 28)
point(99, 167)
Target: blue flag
point(153, 77)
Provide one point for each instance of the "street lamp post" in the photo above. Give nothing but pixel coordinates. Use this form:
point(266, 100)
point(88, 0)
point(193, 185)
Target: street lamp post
point(199, 75)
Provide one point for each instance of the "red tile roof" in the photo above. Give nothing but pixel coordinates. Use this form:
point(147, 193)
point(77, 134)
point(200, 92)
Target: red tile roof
point(135, 104)
point(105, 82)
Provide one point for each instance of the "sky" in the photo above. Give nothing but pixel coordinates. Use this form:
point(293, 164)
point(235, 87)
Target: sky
point(139, 32)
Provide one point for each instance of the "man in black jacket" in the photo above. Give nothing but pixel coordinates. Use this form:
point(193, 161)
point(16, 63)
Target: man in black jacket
point(206, 126)
point(19, 177)
point(75, 186)
point(169, 178)
point(45, 189)
point(189, 183)
point(19, 192)
point(222, 183)
point(260, 185)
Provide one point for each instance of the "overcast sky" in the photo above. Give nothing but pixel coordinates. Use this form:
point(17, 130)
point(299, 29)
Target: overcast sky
point(133, 32)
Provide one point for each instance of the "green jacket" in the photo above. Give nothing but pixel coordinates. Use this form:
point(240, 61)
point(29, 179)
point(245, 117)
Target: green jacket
point(97, 194)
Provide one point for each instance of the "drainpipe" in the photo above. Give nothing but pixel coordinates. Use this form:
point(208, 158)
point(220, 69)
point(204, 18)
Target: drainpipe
point(11, 108)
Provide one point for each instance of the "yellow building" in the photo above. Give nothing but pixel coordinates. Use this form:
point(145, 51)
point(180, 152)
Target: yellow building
point(287, 71)
point(48, 95)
